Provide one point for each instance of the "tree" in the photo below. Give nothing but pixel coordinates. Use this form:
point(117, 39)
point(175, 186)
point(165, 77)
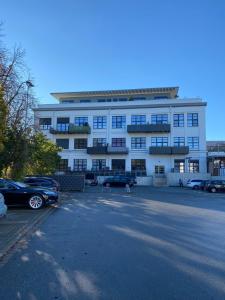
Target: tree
point(44, 158)
point(3, 116)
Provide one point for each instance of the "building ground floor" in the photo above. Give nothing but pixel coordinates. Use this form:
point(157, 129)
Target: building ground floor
point(134, 162)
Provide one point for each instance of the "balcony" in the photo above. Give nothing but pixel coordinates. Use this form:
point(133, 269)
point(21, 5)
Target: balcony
point(169, 150)
point(97, 150)
point(117, 150)
point(149, 128)
point(71, 129)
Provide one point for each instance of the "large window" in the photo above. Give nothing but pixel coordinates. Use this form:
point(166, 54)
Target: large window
point(45, 123)
point(63, 164)
point(138, 119)
point(118, 121)
point(81, 121)
point(98, 164)
point(80, 165)
point(63, 143)
point(138, 165)
point(159, 141)
point(80, 143)
point(99, 142)
point(178, 120)
point(192, 119)
point(193, 166)
point(193, 143)
point(159, 119)
point(118, 142)
point(138, 143)
point(179, 141)
point(179, 165)
point(159, 169)
point(63, 124)
point(118, 164)
point(99, 122)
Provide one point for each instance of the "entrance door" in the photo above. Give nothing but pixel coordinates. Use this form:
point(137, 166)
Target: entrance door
point(118, 164)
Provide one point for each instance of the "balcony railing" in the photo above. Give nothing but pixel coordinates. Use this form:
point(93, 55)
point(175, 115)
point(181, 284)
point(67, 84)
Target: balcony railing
point(117, 150)
point(169, 150)
point(71, 129)
point(149, 128)
point(97, 150)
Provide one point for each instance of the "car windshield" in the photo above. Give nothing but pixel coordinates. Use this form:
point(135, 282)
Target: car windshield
point(20, 184)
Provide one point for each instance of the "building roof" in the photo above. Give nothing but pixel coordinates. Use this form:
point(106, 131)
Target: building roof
point(171, 91)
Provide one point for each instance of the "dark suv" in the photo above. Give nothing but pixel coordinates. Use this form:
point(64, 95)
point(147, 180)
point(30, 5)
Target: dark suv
point(216, 186)
point(119, 181)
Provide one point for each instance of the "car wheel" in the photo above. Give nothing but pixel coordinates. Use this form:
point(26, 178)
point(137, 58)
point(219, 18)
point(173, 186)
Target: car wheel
point(213, 190)
point(195, 187)
point(36, 202)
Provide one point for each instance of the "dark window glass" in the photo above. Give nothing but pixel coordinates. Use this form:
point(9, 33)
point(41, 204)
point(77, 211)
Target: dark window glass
point(138, 143)
point(99, 122)
point(138, 165)
point(138, 119)
point(85, 101)
point(98, 164)
point(193, 166)
point(99, 142)
point(193, 143)
point(63, 164)
point(80, 165)
point(118, 164)
point(159, 141)
point(192, 119)
point(179, 165)
point(178, 120)
point(159, 119)
point(80, 143)
point(179, 141)
point(118, 142)
point(45, 123)
point(81, 121)
point(118, 121)
point(159, 169)
point(63, 124)
point(63, 143)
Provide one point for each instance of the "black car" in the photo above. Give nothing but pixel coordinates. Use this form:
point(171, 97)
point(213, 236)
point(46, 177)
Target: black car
point(118, 181)
point(19, 194)
point(216, 186)
point(45, 182)
point(204, 185)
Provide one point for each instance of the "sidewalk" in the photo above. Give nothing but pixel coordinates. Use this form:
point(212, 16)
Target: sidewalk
point(18, 223)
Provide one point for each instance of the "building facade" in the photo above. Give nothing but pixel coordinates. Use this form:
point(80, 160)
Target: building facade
point(216, 158)
point(150, 131)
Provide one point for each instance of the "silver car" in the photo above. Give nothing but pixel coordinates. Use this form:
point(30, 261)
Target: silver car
point(3, 207)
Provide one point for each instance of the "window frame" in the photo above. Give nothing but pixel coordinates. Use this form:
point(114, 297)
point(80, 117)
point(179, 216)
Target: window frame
point(138, 143)
point(179, 122)
point(118, 122)
point(159, 119)
point(179, 141)
point(81, 166)
point(193, 142)
point(158, 141)
point(81, 143)
point(192, 120)
point(99, 122)
point(138, 162)
point(138, 119)
point(118, 142)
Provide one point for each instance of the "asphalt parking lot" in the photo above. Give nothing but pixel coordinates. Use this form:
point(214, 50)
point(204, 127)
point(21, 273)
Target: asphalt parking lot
point(154, 243)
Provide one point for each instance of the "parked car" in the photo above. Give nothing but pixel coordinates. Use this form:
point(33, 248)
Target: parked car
point(20, 194)
point(118, 181)
point(3, 207)
point(45, 182)
point(91, 179)
point(204, 185)
point(194, 184)
point(216, 186)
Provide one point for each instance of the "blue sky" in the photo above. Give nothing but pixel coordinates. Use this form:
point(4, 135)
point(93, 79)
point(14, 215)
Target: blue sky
point(74, 45)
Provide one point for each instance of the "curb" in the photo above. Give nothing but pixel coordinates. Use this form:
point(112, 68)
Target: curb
point(25, 230)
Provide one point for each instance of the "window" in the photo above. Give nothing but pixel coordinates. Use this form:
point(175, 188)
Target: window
point(63, 124)
point(138, 143)
point(98, 164)
point(63, 143)
point(179, 141)
point(118, 121)
point(179, 165)
point(193, 166)
point(99, 122)
point(118, 164)
point(80, 165)
point(85, 101)
point(45, 123)
point(63, 164)
point(138, 119)
point(138, 165)
point(159, 141)
point(193, 143)
point(192, 120)
point(80, 143)
point(178, 120)
point(118, 142)
point(99, 142)
point(159, 169)
point(81, 121)
point(159, 119)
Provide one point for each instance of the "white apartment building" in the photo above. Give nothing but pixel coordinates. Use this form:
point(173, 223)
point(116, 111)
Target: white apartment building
point(150, 131)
